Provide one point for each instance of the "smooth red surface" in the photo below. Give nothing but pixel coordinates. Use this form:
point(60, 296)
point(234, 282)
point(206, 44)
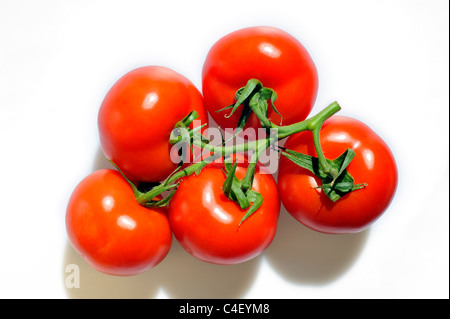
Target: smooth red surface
point(111, 231)
point(206, 222)
point(373, 164)
point(270, 55)
point(137, 116)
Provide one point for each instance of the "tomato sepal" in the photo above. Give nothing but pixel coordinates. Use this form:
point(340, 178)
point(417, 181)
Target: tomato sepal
point(256, 199)
point(151, 197)
point(234, 189)
point(337, 182)
point(135, 189)
point(253, 97)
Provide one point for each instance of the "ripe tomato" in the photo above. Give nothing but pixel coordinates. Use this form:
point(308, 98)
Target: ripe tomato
point(137, 116)
point(206, 222)
point(111, 231)
point(270, 55)
point(373, 164)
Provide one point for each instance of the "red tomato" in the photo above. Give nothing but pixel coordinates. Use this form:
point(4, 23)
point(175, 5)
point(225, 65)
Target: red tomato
point(373, 164)
point(206, 222)
point(137, 116)
point(111, 231)
point(270, 55)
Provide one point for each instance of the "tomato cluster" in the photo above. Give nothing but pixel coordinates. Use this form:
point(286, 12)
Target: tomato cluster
point(121, 226)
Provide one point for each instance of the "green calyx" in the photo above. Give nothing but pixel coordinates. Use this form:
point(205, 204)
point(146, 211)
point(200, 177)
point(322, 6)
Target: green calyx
point(234, 190)
point(337, 182)
point(181, 131)
point(253, 97)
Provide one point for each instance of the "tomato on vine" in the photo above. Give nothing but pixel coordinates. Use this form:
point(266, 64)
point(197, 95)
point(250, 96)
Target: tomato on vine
point(111, 231)
point(374, 165)
point(210, 226)
point(137, 116)
point(268, 54)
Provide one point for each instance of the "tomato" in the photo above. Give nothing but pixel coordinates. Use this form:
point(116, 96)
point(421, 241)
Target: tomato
point(272, 56)
point(111, 231)
point(206, 222)
point(137, 116)
point(373, 164)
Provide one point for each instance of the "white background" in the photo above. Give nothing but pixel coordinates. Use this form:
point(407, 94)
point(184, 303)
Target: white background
point(385, 62)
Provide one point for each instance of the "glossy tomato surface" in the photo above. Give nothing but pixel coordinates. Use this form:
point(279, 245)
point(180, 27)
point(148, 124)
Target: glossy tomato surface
point(111, 231)
point(206, 222)
point(373, 164)
point(268, 54)
point(137, 116)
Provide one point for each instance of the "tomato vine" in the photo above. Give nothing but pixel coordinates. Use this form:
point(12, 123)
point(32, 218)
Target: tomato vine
point(254, 98)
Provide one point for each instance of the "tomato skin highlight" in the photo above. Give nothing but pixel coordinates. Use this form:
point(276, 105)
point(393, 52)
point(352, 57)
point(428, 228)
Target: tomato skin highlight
point(137, 116)
point(270, 55)
point(206, 223)
point(373, 164)
point(111, 231)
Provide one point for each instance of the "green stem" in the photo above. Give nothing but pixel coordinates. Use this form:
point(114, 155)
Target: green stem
point(226, 150)
point(322, 160)
point(309, 124)
point(247, 182)
point(168, 184)
point(313, 124)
